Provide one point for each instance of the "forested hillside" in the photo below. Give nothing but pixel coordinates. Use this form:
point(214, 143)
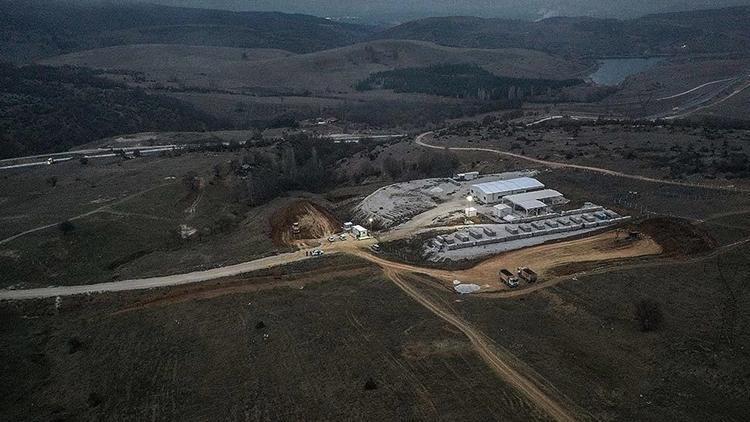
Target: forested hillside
point(464, 81)
point(704, 31)
point(45, 109)
point(31, 29)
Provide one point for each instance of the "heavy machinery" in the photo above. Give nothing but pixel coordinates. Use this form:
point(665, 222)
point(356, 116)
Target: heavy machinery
point(295, 228)
point(527, 274)
point(508, 278)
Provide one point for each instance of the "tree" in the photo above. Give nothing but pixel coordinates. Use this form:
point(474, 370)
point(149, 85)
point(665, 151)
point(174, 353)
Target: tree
point(393, 167)
point(66, 227)
point(648, 314)
point(191, 181)
point(52, 181)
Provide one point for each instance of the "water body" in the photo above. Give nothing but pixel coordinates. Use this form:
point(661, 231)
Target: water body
point(614, 71)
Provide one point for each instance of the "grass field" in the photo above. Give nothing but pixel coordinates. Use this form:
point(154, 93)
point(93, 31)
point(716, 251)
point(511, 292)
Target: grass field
point(312, 358)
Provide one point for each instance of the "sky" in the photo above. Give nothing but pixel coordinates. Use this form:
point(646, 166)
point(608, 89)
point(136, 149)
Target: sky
point(410, 9)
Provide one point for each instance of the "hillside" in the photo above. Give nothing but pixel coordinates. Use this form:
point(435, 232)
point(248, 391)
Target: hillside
point(330, 71)
point(34, 29)
point(707, 31)
point(45, 109)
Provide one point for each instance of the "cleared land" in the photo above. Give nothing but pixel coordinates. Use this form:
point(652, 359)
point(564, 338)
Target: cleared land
point(282, 354)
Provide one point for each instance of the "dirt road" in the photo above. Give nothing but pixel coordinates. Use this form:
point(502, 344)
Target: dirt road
point(553, 164)
point(153, 282)
point(501, 361)
point(84, 215)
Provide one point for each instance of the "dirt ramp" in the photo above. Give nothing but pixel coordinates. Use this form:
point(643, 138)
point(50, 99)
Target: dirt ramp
point(314, 222)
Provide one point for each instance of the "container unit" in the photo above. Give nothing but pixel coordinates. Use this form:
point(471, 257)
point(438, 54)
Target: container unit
point(588, 218)
point(511, 229)
point(524, 228)
point(449, 240)
point(612, 214)
point(538, 225)
point(552, 223)
point(476, 234)
point(563, 221)
point(463, 237)
point(489, 232)
point(590, 225)
point(601, 215)
point(576, 219)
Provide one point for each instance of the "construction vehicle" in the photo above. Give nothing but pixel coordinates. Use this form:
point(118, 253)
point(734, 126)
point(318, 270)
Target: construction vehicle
point(527, 274)
point(295, 228)
point(375, 247)
point(508, 278)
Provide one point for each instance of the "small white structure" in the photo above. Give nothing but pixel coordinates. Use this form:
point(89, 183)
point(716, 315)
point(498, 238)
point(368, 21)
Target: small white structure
point(359, 232)
point(467, 176)
point(492, 192)
point(348, 226)
point(501, 210)
point(470, 212)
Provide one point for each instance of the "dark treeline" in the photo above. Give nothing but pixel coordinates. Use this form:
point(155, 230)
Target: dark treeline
point(464, 81)
point(47, 109)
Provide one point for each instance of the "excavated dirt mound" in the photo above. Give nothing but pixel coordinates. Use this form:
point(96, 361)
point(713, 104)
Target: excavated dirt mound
point(314, 221)
point(678, 237)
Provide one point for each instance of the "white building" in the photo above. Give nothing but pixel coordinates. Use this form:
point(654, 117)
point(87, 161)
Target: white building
point(501, 210)
point(467, 176)
point(359, 232)
point(493, 192)
point(535, 202)
point(470, 212)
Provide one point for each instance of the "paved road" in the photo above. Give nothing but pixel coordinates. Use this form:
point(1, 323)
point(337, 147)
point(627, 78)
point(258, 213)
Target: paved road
point(420, 141)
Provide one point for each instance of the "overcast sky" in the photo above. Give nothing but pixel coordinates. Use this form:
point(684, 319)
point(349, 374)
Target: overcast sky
point(529, 9)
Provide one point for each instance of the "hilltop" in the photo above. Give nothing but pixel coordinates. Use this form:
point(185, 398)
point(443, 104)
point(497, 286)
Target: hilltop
point(704, 31)
point(36, 29)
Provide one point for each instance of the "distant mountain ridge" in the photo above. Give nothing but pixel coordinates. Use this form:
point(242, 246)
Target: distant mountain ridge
point(31, 29)
point(703, 31)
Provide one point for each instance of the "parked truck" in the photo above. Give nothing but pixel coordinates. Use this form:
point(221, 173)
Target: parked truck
point(508, 278)
point(295, 228)
point(527, 274)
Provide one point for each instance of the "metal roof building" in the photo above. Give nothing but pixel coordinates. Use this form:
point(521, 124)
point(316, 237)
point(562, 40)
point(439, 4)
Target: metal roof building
point(491, 192)
point(535, 202)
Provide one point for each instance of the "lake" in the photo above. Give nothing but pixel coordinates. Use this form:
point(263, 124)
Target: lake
point(614, 71)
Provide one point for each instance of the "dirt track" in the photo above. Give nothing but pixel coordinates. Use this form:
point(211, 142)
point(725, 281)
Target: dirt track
point(499, 360)
point(553, 164)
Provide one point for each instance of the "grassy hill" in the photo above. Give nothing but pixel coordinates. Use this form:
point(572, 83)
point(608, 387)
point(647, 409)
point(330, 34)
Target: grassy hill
point(330, 71)
point(36, 28)
point(705, 31)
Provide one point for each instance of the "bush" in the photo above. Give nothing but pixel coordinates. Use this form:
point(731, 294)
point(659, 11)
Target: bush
point(370, 384)
point(648, 314)
point(66, 227)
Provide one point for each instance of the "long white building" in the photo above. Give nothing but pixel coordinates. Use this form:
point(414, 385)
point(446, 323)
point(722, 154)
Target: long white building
point(493, 192)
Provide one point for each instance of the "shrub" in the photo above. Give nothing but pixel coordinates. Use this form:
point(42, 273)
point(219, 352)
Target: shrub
point(648, 314)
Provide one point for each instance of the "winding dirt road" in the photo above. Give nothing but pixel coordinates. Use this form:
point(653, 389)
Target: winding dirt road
point(529, 383)
point(554, 164)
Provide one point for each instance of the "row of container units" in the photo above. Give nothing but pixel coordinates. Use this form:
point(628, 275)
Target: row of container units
point(486, 235)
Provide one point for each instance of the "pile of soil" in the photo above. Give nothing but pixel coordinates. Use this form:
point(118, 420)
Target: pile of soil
point(678, 237)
